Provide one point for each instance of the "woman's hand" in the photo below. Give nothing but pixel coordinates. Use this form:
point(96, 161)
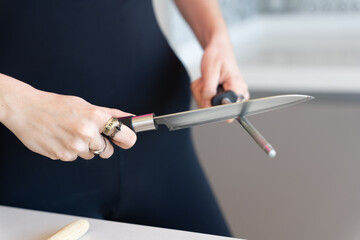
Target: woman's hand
point(218, 66)
point(58, 126)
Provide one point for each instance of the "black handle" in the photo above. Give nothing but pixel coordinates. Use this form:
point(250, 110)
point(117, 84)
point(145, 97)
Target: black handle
point(221, 95)
point(127, 121)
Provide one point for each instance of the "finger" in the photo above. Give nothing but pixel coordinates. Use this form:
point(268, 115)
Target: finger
point(97, 143)
point(195, 84)
point(233, 83)
point(109, 150)
point(211, 77)
point(68, 157)
point(236, 84)
point(87, 155)
point(247, 95)
point(196, 90)
point(125, 138)
point(116, 113)
point(81, 148)
point(103, 115)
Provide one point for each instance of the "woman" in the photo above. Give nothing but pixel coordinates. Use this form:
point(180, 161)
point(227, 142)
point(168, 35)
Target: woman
point(78, 63)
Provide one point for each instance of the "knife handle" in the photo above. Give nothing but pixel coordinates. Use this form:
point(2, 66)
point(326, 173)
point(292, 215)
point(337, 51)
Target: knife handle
point(221, 97)
point(140, 123)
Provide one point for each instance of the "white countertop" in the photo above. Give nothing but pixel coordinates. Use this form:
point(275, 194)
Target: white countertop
point(16, 223)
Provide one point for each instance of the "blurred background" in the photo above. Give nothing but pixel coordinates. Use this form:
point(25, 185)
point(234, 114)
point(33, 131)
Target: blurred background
point(311, 190)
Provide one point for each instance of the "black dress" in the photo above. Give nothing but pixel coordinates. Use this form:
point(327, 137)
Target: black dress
point(81, 47)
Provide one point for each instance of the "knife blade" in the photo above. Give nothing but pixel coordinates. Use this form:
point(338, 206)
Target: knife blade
point(218, 113)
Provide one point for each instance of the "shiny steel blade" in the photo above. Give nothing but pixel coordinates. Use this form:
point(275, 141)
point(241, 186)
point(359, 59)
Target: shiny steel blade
point(191, 118)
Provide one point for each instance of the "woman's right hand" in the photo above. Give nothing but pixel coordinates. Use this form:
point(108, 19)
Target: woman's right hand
point(59, 126)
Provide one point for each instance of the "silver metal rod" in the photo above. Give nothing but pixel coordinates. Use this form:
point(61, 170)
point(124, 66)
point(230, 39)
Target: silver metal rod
point(255, 134)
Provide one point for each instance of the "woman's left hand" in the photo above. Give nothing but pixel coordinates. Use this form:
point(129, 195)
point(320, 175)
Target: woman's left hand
point(218, 66)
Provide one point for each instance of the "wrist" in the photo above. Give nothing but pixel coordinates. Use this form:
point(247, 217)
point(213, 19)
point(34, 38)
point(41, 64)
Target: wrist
point(12, 92)
point(218, 38)
point(4, 108)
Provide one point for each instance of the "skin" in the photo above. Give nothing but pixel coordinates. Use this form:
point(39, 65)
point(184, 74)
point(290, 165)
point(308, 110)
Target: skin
point(218, 64)
point(75, 127)
point(58, 126)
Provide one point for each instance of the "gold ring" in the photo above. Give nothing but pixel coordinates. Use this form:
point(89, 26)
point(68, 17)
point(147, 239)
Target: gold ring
point(112, 126)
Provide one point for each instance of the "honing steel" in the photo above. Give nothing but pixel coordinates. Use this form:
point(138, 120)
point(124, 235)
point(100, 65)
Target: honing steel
point(226, 97)
point(218, 113)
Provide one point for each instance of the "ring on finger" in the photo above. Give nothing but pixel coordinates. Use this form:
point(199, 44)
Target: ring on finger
point(112, 126)
point(97, 152)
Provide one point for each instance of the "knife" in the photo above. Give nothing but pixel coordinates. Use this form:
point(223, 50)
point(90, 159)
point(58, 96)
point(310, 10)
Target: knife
point(218, 113)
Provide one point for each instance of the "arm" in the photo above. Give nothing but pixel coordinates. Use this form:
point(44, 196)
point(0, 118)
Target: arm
point(57, 126)
point(205, 19)
point(218, 65)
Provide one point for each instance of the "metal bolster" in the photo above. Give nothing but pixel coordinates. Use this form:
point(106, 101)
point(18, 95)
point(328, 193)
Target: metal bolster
point(144, 123)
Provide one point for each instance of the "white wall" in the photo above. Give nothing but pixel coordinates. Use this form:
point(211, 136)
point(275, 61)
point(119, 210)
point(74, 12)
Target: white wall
point(299, 51)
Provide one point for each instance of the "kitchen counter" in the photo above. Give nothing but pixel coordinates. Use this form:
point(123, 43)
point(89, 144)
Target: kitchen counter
point(16, 223)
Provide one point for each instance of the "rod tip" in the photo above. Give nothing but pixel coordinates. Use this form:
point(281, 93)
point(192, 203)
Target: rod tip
point(272, 153)
point(269, 150)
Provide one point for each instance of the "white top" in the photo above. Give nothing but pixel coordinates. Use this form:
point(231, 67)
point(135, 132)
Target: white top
point(24, 224)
